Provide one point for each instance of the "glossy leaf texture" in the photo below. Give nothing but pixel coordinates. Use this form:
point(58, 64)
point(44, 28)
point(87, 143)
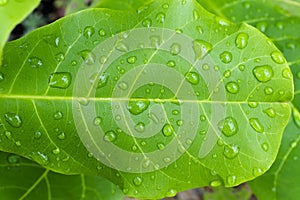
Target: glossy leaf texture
point(280, 21)
point(158, 100)
point(11, 13)
point(24, 179)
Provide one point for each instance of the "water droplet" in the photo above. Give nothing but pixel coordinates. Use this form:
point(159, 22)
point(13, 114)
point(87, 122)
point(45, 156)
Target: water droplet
point(262, 26)
point(160, 17)
point(175, 49)
point(61, 136)
point(147, 23)
point(18, 143)
point(155, 41)
point(137, 181)
point(175, 112)
point(58, 115)
point(253, 104)
point(131, 59)
point(226, 57)
point(227, 74)
point(8, 135)
point(3, 2)
point(171, 63)
point(160, 146)
point(138, 106)
point(215, 183)
point(88, 57)
point(60, 80)
point(35, 62)
point(37, 135)
point(100, 80)
point(228, 126)
point(232, 87)
point(231, 180)
point(257, 171)
point(59, 57)
point(241, 41)
point(231, 151)
point(102, 32)
point(293, 144)
point(179, 122)
point(263, 73)
point(140, 127)
point(256, 125)
point(123, 85)
point(270, 112)
point(13, 119)
point(1, 76)
point(56, 151)
point(171, 193)
point(277, 57)
point(165, 6)
point(110, 136)
point(201, 48)
point(286, 73)
point(265, 146)
point(88, 32)
point(192, 77)
point(121, 46)
point(241, 68)
point(40, 158)
point(268, 91)
point(97, 121)
point(199, 29)
point(168, 130)
point(13, 159)
point(202, 118)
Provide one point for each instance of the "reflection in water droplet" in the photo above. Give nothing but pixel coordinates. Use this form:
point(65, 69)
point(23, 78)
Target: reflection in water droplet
point(256, 171)
point(61, 136)
point(232, 87)
point(201, 48)
point(192, 77)
point(171, 193)
point(256, 125)
point(231, 151)
point(171, 63)
point(40, 158)
point(263, 73)
point(60, 80)
point(227, 74)
point(136, 107)
point(13, 119)
point(97, 121)
point(226, 57)
point(37, 135)
point(253, 104)
point(168, 130)
point(241, 41)
point(110, 136)
point(277, 57)
point(99, 81)
point(228, 126)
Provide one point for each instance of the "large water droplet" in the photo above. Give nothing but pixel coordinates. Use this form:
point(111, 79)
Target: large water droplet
point(232, 87)
point(228, 126)
point(192, 77)
point(131, 59)
point(88, 32)
point(226, 57)
point(138, 106)
point(35, 62)
point(241, 40)
point(256, 125)
point(13, 119)
point(263, 73)
point(277, 57)
point(137, 181)
point(168, 130)
point(231, 151)
point(88, 57)
point(110, 136)
point(201, 48)
point(60, 80)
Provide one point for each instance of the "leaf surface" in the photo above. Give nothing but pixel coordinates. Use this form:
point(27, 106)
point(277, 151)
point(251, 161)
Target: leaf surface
point(158, 101)
point(24, 179)
point(12, 13)
point(78, 5)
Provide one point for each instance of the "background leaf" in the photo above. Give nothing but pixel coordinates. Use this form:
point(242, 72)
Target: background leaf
point(78, 5)
point(280, 21)
point(24, 179)
point(189, 98)
point(12, 13)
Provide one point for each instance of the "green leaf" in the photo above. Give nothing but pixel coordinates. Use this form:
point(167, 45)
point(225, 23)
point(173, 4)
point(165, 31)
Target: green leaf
point(158, 101)
point(24, 179)
point(12, 13)
point(282, 25)
point(122, 4)
point(78, 5)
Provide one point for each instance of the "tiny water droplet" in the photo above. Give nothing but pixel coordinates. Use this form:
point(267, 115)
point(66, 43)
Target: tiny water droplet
point(228, 126)
point(165, 6)
point(277, 57)
point(257, 171)
point(286, 73)
point(263, 73)
point(58, 115)
point(226, 57)
point(136, 107)
point(179, 122)
point(121, 46)
point(59, 57)
point(269, 90)
point(56, 151)
point(160, 17)
point(231, 151)
point(241, 40)
point(123, 85)
point(8, 135)
point(102, 32)
point(262, 26)
point(199, 29)
point(227, 74)
point(13, 119)
point(168, 130)
point(18, 143)
point(231, 180)
point(270, 112)
point(155, 41)
point(192, 77)
point(293, 144)
point(61, 80)
point(61, 136)
point(100, 80)
point(110, 136)
point(171, 193)
point(253, 104)
point(160, 146)
point(1, 76)
point(131, 59)
point(296, 116)
point(37, 135)
point(140, 127)
point(88, 57)
point(35, 62)
point(232, 87)
point(242, 68)
point(171, 63)
point(265, 146)
point(88, 32)
point(147, 23)
point(13, 159)
point(175, 49)
point(40, 158)
point(256, 125)
point(97, 121)
point(137, 181)
point(215, 183)
point(201, 48)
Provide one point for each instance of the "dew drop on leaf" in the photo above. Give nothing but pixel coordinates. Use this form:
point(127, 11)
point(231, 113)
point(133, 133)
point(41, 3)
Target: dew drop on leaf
point(13, 119)
point(253, 104)
point(171, 193)
point(88, 57)
point(40, 158)
point(56, 151)
point(227, 74)
point(88, 32)
point(201, 48)
point(175, 49)
point(270, 112)
point(242, 68)
point(13, 159)
point(59, 57)
point(147, 23)
point(179, 122)
point(121, 46)
point(241, 40)
point(268, 90)
point(35, 62)
point(140, 127)
point(8, 135)
point(160, 146)
point(136, 107)
point(137, 181)
point(168, 130)
point(131, 59)
point(199, 29)
point(18, 143)
point(231, 151)
point(265, 146)
point(102, 32)
point(123, 85)
point(262, 26)
point(192, 77)
point(160, 17)
point(232, 87)
point(37, 135)
point(97, 121)
point(277, 57)
point(228, 126)
point(215, 183)
point(171, 63)
point(99, 81)
point(296, 116)
point(263, 73)
point(61, 136)
point(231, 180)
point(286, 73)
point(226, 57)
point(257, 171)
point(60, 80)
point(110, 136)
point(58, 115)
point(256, 125)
